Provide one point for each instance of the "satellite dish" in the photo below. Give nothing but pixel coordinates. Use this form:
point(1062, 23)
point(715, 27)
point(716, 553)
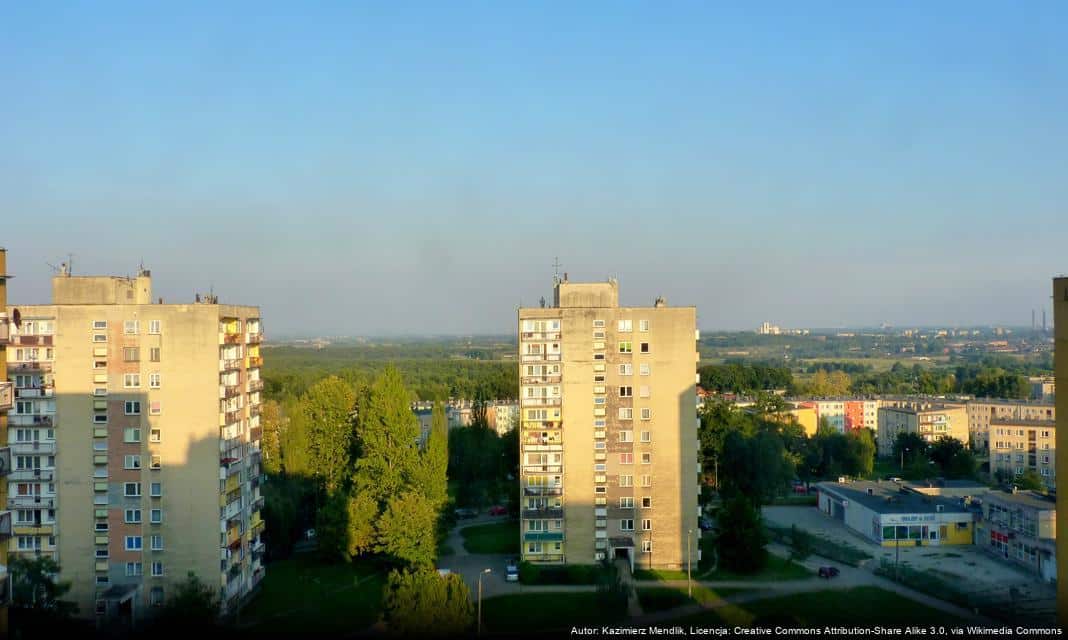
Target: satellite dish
point(16, 317)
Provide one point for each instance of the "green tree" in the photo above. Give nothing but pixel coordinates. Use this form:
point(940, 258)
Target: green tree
point(407, 530)
point(387, 434)
point(1029, 481)
point(34, 586)
point(431, 474)
point(271, 441)
point(422, 602)
point(328, 406)
point(909, 447)
point(757, 466)
point(740, 545)
point(191, 605)
point(295, 440)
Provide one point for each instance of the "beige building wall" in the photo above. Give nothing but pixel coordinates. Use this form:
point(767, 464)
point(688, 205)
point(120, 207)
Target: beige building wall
point(191, 448)
point(930, 421)
point(628, 442)
point(1060, 354)
point(1017, 446)
point(982, 411)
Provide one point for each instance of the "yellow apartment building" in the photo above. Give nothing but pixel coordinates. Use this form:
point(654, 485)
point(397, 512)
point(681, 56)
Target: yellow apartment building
point(136, 443)
point(983, 411)
point(1017, 446)
point(930, 421)
point(608, 429)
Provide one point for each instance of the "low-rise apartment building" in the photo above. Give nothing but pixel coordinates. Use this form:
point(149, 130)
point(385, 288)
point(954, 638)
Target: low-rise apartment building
point(982, 411)
point(931, 421)
point(1017, 446)
point(1021, 527)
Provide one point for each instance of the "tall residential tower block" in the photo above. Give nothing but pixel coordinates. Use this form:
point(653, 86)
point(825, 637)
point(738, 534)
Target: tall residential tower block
point(1060, 356)
point(608, 430)
point(135, 439)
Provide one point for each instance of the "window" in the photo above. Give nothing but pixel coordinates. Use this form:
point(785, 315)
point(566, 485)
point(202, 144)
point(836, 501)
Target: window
point(100, 364)
point(101, 527)
point(647, 413)
point(647, 502)
point(626, 524)
point(156, 489)
point(625, 347)
point(155, 408)
point(647, 524)
point(626, 502)
point(100, 391)
point(153, 354)
point(647, 546)
point(130, 327)
point(626, 413)
point(643, 391)
point(132, 516)
point(133, 543)
point(102, 553)
point(153, 327)
point(100, 337)
point(626, 436)
point(154, 435)
point(131, 354)
point(626, 481)
point(133, 408)
point(626, 369)
point(155, 462)
point(647, 436)
point(598, 324)
point(132, 462)
point(626, 392)
point(157, 569)
point(100, 325)
point(155, 597)
point(157, 542)
point(100, 418)
point(647, 458)
point(156, 516)
point(643, 325)
point(153, 381)
point(132, 489)
point(133, 569)
point(643, 347)
point(626, 458)
point(625, 326)
point(131, 380)
point(647, 481)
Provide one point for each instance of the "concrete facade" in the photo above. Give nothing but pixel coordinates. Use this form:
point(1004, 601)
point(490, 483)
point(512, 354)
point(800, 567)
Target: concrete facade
point(153, 418)
point(1060, 364)
point(1021, 528)
point(1017, 446)
point(982, 411)
point(890, 514)
point(7, 399)
point(930, 421)
point(609, 429)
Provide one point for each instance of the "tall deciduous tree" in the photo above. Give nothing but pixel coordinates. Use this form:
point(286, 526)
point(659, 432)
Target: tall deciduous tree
point(407, 530)
point(431, 477)
point(741, 540)
point(271, 441)
point(387, 434)
point(425, 603)
point(328, 406)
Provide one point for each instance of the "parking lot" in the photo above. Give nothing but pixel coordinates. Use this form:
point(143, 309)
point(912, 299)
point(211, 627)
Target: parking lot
point(964, 565)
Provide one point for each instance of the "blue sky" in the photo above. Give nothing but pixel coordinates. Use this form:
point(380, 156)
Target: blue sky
point(368, 168)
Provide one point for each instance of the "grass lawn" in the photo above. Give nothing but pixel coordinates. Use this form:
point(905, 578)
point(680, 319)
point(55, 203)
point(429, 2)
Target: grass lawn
point(776, 569)
point(499, 537)
point(533, 612)
point(661, 598)
point(863, 606)
point(302, 595)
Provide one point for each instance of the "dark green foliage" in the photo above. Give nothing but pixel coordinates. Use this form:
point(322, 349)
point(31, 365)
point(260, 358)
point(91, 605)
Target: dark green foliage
point(741, 540)
point(328, 407)
point(34, 586)
point(742, 377)
point(387, 433)
point(407, 530)
point(800, 543)
point(425, 603)
point(1029, 481)
point(573, 574)
point(910, 447)
point(480, 463)
point(830, 454)
point(612, 593)
point(954, 460)
point(192, 605)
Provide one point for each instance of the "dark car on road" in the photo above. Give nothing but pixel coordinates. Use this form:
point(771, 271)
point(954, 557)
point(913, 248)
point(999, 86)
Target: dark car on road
point(466, 513)
point(828, 572)
point(498, 510)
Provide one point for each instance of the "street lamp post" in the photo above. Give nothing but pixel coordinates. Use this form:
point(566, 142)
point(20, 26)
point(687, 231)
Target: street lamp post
point(481, 573)
point(689, 562)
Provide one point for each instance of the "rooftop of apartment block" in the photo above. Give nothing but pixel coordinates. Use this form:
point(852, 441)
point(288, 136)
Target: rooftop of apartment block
point(590, 295)
point(1019, 422)
point(1030, 499)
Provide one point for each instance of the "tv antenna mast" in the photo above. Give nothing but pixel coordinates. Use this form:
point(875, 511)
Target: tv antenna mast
point(64, 268)
point(556, 270)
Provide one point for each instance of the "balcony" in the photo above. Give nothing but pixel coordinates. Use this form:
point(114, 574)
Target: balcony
point(227, 391)
point(230, 417)
point(229, 364)
point(255, 338)
point(541, 402)
point(34, 392)
point(255, 361)
point(255, 385)
point(540, 379)
point(542, 468)
point(255, 434)
point(41, 475)
point(230, 338)
point(5, 524)
point(31, 341)
point(35, 446)
point(543, 491)
point(30, 502)
point(544, 513)
point(255, 409)
point(5, 329)
point(28, 420)
point(29, 366)
point(543, 536)
point(540, 335)
point(541, 357)
point(7, 399)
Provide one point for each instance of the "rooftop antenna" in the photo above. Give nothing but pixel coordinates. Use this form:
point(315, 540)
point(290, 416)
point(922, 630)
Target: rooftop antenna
point(556, 270)
point(64, 268)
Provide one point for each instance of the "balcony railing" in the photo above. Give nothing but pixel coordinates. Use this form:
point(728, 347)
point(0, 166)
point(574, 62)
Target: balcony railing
point(255, 338)
point(30, 365)
point(230, 338)
point(541, 357)
point(32, 502)
point(255, 409)
point(34, 392)
point(255, 361)
point(32, 341)
point(541, 402)
point(542, 468)
point(255, 385)
point(43, 475)
point(7, 399)
point(230, 364)
point(540, 335)
point(227, 391)
point(5, 330)
point(36, 446)
point(540, 379)
point(543, 491)
point(552, 513)
point(27, 420)
point(543, 536)
point(230, 417)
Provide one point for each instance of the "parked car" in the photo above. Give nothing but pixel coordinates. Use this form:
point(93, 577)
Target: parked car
point(309, 534)
point(828, 572)
point(498, 510)
point(705, 523)
point(463, 513)
point(511, 571)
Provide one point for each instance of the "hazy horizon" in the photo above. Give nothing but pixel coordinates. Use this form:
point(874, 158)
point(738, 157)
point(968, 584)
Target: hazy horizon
point(416, 169)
